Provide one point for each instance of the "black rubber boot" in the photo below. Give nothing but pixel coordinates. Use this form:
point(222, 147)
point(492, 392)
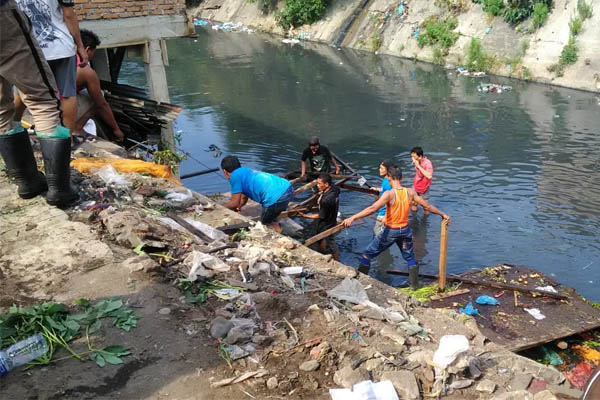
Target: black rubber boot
point(57, 156)
point(413, 277)
point(20, 164)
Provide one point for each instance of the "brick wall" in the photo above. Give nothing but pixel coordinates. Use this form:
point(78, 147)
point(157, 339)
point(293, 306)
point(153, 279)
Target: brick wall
point(110, 9)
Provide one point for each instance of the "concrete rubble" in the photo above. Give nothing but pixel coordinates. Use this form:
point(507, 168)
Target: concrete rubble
point(329, 327)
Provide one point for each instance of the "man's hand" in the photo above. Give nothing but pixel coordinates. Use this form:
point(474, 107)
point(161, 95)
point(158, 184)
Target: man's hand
point(119, 134)
point(83, 57)
point(348, 222)
point(446, 219)
point(337, 170)
point(416, 162)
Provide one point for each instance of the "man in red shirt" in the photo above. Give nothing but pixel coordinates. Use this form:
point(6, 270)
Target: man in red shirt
point(423, 175)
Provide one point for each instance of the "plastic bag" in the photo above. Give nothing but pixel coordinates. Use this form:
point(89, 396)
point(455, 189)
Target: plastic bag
point(350, 290)
point(469, 310)
point(449, 348)
point(112, 178)
point(535, 313)
point(204, 265)
point(487, 300)
point(383, 390)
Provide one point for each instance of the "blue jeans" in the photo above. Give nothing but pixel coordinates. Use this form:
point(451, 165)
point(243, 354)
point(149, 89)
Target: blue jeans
point(270, 214)
point(402, 237)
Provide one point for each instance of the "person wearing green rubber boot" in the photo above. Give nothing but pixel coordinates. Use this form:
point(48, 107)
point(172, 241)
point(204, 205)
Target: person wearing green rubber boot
point(18, 48)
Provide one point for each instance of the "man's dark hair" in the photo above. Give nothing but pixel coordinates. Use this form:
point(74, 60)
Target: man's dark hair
point(325, 177)
point(395, 173)
point(89, 38)
point(387, 163)
point(417, 150)
point(313, 141)
point(230, 163)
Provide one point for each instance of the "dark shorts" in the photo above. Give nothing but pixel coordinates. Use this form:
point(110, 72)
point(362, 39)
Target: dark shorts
point(270, 214)
point(65, 74)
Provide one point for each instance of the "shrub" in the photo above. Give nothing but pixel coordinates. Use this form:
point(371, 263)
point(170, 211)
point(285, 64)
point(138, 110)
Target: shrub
point(438, 31)
point(575, 26)
point(540, 14)
point(585, 10)
point(569, 53)
point(519, 10)
point(300, 12)
point(493, 7)
point(376, 43)
point(477, 59)
point(438, 56)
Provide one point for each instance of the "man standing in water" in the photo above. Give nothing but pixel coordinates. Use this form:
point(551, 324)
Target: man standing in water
point(272, 192)
point(385, 186)
point(327, 217)
point(319, 158)
point(423, 175)
point(396, 229)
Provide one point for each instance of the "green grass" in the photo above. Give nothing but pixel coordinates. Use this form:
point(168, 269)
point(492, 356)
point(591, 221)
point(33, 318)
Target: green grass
point(376, 42)
point(438, 31)
point(584, 9)
point(575, 26)
point(540, 14)
point(569, 55)
point(493, 7)
point(476, 58)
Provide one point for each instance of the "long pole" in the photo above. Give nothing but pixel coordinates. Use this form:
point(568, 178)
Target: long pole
point(443, 254)
point(206, 171)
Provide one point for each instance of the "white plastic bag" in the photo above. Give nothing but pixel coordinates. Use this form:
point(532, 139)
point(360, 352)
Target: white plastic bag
point(205, 265)
point(449, 348)
point(112, 178)
point(350, 290)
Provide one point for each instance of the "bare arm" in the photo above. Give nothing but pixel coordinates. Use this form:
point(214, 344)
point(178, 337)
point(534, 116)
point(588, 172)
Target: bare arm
point(73, 26)
point(425, 173)
point(335, 164)
point(93, 87)
point(310, 216)
point(303, 168)
point(427, 205)
point(236, 202)
point(383, 200)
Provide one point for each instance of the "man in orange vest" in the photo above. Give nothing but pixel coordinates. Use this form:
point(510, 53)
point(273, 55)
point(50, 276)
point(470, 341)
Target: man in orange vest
point(396, 230)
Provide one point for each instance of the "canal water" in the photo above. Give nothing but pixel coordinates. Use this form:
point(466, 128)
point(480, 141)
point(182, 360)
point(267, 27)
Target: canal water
point(518, 171)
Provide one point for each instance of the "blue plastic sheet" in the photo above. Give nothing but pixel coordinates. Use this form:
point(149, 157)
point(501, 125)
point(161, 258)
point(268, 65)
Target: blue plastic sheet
point(469, 310)
point(487, 300)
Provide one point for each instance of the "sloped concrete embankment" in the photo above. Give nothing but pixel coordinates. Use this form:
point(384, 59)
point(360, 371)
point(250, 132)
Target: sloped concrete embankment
point(518, 54)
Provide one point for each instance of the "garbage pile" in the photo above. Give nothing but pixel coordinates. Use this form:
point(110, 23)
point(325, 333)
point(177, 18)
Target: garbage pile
point(493, 88)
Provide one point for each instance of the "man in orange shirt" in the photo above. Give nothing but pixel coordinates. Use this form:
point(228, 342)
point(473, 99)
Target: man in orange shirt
point(396, 230)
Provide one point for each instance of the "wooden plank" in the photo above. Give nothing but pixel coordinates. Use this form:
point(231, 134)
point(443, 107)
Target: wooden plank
point(306, 187)
point(316, 174)
point(298, 179)
point(233, 228)
point(355, 188)
point(189, 227)
point(324, 234)
point(449, 294)
point(497, 285)
point(443, 254)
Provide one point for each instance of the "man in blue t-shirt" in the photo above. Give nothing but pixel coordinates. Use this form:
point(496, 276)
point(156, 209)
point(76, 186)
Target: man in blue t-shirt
point(384, 166)
point(272, 192)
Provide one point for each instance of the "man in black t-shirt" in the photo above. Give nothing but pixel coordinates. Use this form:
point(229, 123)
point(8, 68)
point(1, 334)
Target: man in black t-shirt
point(327, 217)
point(319, 158)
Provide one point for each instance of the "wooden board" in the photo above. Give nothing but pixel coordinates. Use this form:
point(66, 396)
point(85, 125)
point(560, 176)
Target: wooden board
point(512, 326)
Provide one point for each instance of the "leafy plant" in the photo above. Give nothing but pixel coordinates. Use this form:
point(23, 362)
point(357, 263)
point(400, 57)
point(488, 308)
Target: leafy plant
point(569, 53)
point(376, 43)
point(300, 12)
point(540, 14)
point(167, 157)
point(493, 7)
point(584, 9)
point(438, 56)
point(438, 31)
point(109, 355)
point(575, 26)
point(476, 58)
point(198, 291)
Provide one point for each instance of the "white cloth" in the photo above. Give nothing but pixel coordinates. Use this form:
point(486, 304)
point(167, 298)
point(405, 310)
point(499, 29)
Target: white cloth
point(49, 27)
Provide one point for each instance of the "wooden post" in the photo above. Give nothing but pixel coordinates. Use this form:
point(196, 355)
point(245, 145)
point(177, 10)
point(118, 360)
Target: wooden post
point(443, 254)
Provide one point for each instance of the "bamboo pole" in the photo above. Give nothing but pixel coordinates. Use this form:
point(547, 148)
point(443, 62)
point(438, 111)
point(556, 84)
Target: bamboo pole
point(443, 254)
point(306, 187)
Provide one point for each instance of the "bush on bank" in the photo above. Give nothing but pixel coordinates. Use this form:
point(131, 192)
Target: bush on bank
point(300, 12)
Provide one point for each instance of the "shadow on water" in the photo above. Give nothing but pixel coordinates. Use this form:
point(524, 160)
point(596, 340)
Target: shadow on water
point(517, 171)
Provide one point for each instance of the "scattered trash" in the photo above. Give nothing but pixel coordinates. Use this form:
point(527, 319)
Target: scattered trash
point(547, 289)
point(228, 292)
point(290, 41)
point(231, 27)
point(84, 165)
point(580, 375)
point(236, 352)
point(469, 310)
point(587, 353)
point(464, 72)
point(350, 290)
point(383, 390)
point(22, 352)
point(292, 270)
point(112, 178)
point(288, 281)
point(461, 384)
point(204, 265)
point(487, 300)
point(493, 88)
point(550, 356)
point(200, 22)
point(215, 150)
point(449, 348)
point(535, 313)
point(488, 30)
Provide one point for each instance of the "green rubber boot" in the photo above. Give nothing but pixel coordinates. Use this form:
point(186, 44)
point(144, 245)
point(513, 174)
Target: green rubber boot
point(57, 156)
point(413, 277)
point(17, 153)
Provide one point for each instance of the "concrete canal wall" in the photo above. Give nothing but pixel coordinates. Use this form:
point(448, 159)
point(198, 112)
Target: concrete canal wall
point(378, 27)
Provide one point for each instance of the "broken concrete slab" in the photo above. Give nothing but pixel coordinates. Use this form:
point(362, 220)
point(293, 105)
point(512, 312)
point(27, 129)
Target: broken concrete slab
point(404, 382)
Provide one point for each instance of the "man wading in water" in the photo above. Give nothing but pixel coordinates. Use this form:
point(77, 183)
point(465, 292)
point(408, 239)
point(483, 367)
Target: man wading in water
point(396, 230)
point(423, 175)
point(319, 158)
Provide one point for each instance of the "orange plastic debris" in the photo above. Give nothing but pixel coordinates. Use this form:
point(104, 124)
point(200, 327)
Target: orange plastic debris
point(587, 353)
point(84, 165)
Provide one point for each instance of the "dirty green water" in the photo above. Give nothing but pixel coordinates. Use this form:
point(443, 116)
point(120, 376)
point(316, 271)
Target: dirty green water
point(518, 171)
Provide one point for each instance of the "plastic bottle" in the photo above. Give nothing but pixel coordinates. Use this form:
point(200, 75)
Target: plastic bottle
point(22, 352)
